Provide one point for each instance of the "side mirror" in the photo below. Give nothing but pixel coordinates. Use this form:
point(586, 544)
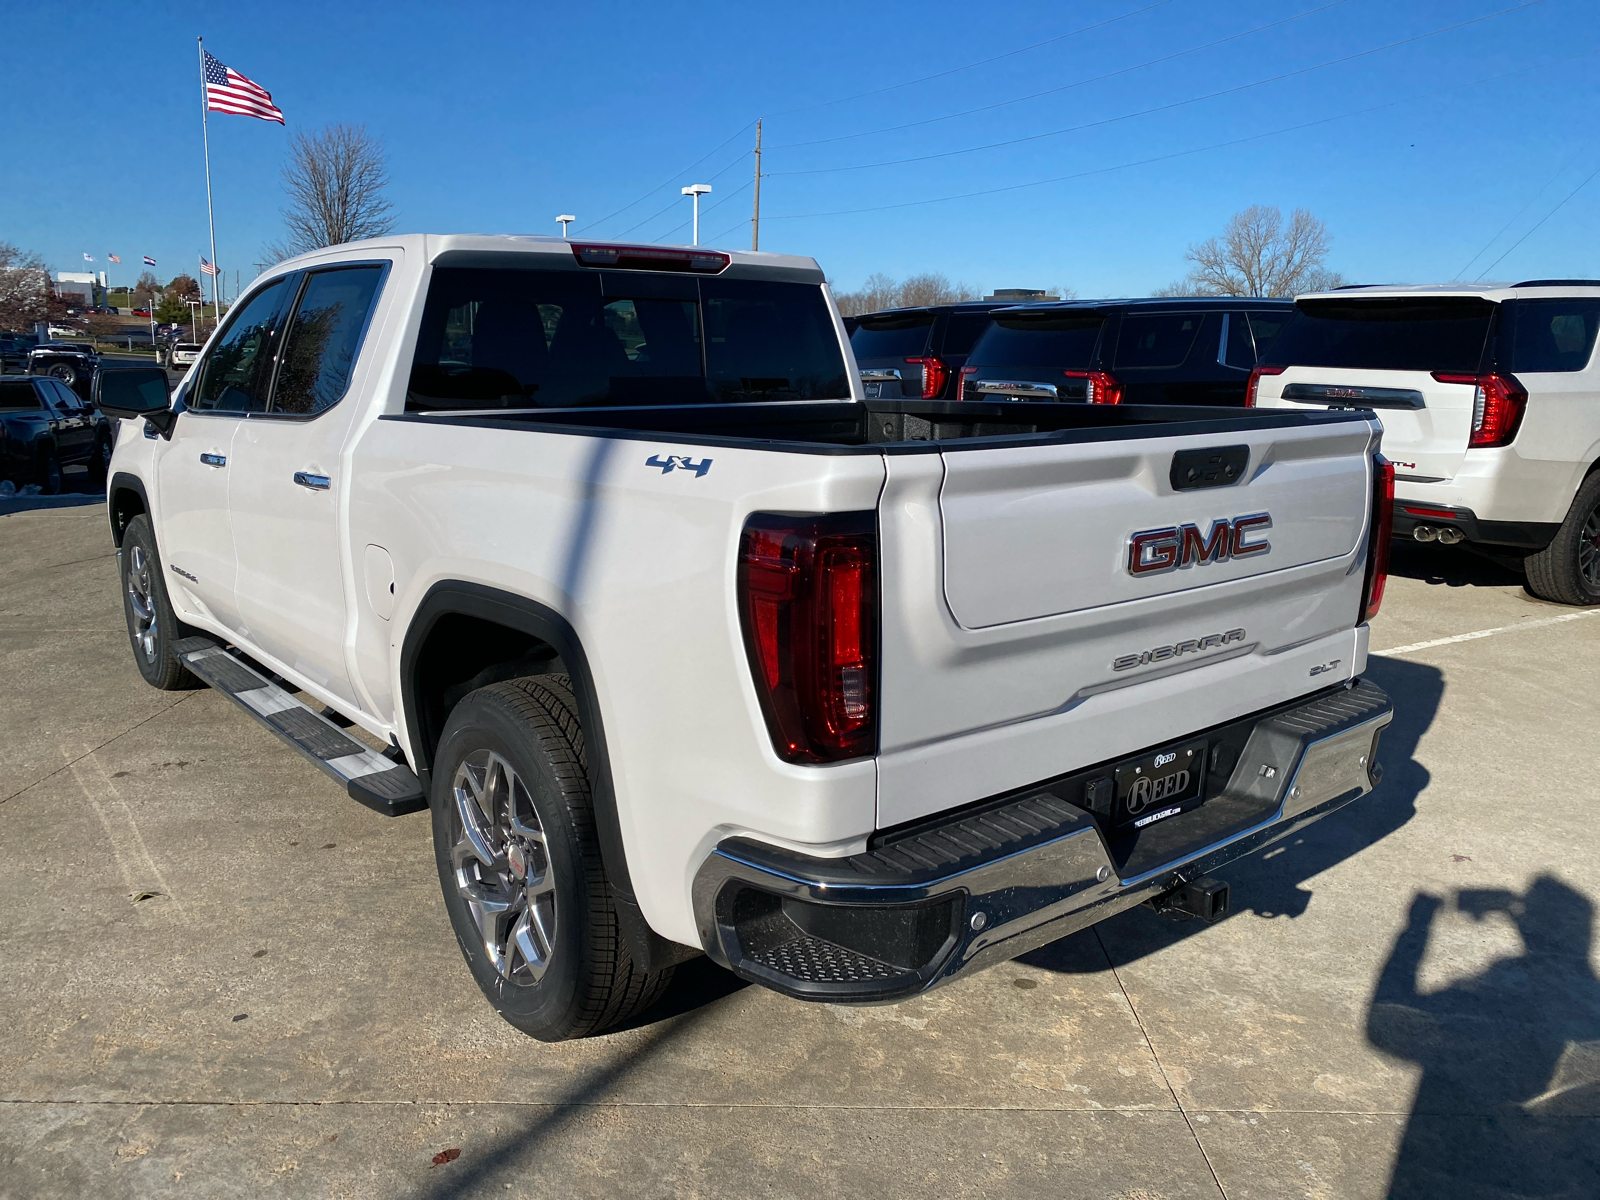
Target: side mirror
point(134, 392)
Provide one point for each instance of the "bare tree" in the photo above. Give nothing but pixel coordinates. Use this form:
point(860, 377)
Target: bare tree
point(335, 180)
point(26, 294)
point(147, 289)
point(880, 292)
point(1259, 255)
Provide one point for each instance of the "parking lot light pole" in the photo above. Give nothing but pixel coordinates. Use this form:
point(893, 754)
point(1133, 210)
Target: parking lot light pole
point(564, 220)
point(697, 190)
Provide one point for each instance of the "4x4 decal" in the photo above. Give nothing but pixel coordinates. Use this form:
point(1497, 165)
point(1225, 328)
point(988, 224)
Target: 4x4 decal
point(679, 462)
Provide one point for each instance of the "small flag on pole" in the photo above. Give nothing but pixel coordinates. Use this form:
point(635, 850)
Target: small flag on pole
point(148, 261)
point(205, 267)
point(88, 258)
point(114, 258)
point(227, 91)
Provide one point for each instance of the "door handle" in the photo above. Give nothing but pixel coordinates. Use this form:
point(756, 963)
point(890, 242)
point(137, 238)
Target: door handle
point(214, 460)
point(317, 483)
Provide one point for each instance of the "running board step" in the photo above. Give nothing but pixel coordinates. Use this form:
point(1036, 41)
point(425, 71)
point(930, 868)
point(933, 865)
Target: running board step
point(368, 776)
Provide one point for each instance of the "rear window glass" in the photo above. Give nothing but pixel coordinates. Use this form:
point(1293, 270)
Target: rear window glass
point(1056, 342)
point(898, 337)
point(1156, 339)
point(962, 332)
point(17, 393)
point(1553, 335)
point(511, 338)
point(1385, 335)
point(1266, 326)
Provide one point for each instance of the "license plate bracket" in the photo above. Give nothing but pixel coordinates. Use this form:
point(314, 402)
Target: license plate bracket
point(1159, 785)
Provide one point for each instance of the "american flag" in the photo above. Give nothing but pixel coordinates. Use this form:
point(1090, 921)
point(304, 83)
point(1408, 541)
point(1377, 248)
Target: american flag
point(227, 91)
point(148, 261)
point(205, 267)
point(114, 258)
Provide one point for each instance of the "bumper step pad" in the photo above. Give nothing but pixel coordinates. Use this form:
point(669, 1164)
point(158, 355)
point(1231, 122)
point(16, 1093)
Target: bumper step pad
point(370, 777)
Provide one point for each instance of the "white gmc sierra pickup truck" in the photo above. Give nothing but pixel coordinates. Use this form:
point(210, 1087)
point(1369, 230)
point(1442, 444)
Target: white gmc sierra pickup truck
point(688, 647)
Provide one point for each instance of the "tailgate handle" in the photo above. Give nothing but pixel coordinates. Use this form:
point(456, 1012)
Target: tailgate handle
point(1214, 466)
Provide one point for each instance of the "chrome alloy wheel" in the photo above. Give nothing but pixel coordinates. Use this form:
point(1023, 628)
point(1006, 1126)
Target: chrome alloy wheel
point(142, 604)
point(1589, 550)
point(502, 866)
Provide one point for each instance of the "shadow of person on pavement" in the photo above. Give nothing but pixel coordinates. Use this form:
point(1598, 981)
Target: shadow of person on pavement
point(1272, 882)
point(1510, 1058)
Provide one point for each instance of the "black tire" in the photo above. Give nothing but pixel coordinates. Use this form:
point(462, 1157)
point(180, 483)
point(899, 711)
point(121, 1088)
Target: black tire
point(100, 461)
point(49, 472)
point(587, 981)
point(1567, 571)
point(153, 627)
point(65, 372)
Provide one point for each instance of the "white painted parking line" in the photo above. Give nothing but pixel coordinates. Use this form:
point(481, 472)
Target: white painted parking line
point(1483, 633)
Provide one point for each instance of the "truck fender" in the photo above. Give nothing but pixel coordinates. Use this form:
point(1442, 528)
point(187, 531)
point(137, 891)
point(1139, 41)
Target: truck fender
point(456, 597)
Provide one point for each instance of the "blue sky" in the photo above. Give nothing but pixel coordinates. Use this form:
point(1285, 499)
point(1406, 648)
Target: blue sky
point(498, 117)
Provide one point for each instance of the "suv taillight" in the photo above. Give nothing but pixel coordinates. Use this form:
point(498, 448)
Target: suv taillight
point(961, 381)
point(1100, 387)
point(1378, 538)
point(808, 601)
point(934, 373)
point(1497, 405)
point(1255, 383)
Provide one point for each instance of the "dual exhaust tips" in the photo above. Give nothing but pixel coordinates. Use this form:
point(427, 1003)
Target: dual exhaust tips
point(1449, 535)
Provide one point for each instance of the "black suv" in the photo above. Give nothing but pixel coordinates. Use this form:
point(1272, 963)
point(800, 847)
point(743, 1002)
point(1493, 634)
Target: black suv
point(45, 426)
point(917, 353)
point(1194, 351)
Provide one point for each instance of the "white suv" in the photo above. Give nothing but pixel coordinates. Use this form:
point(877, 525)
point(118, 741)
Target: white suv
point(1490, 401)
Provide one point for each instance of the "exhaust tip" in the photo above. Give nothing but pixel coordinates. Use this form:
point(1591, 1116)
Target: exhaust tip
point(1425, 533)
point(1450, 536)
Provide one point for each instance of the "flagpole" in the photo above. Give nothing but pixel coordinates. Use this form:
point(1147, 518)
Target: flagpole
point(205, 135)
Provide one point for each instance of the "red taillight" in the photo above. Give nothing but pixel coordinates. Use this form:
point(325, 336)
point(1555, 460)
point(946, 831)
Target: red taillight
point(934, 373)
point(1101, 387)
point(1255, 383)
point(1497, 405)
point(1434, 514)
point(808, 599)
point(1378, 540)
point(961, 382)
point(650, 258)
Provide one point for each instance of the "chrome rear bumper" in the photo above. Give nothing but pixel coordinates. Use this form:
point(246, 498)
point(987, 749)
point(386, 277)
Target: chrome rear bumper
point(992, 881)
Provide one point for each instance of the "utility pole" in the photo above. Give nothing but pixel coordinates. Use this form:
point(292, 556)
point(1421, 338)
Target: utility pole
point(755, 219)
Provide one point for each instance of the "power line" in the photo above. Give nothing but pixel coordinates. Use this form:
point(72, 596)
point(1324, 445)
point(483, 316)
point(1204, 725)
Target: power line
point(1033, 137)
point(845, 137)
point(1143, 162)
point(1532, 200)
point(669, 183)
point(972, 65)
point(671, 204)
point(705, 212)
point(1542, 220)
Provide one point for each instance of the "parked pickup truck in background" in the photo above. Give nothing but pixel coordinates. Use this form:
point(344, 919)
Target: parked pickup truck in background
point(44, 428)
point(599, 553)
point(1490, 400)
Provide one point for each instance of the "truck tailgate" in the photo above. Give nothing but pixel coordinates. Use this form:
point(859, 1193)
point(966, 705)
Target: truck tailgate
point(1041, 530)
point(1018, 644)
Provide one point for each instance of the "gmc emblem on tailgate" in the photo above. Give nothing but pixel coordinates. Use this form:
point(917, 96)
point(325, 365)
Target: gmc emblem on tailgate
point(1156, 550)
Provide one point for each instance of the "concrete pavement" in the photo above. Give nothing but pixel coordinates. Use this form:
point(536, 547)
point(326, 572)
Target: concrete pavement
point(221, 977)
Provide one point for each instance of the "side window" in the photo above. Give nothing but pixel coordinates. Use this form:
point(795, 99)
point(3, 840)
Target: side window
point(322, 339)
point(1156, 339)
point(231, 377)
point(1239, 348)
point(1554, 335)
point(67, 399)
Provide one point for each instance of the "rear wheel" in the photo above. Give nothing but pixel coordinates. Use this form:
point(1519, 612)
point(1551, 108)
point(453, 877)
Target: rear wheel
point(519, 862)
point(152, 625)
point(49, 472)
point(65, 372)
point(1567, 571)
